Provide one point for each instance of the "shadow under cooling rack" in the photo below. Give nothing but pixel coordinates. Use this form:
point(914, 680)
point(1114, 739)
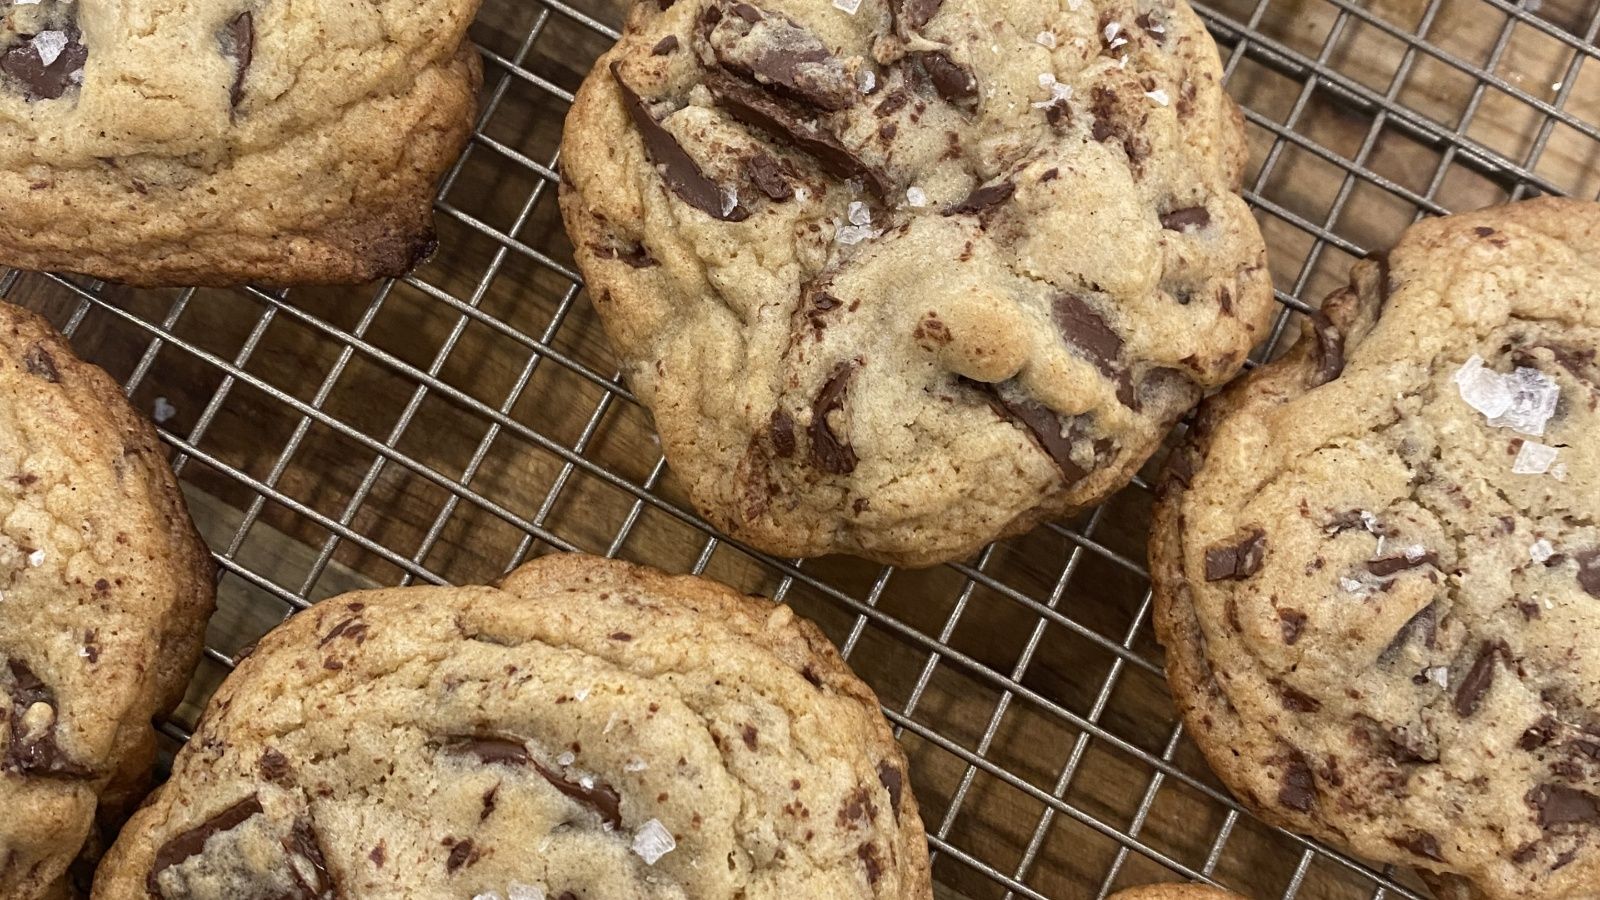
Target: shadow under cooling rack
point(449, 425)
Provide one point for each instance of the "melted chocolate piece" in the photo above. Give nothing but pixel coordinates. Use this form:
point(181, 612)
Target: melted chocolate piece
point(601, 798)
point(1560, 805)
point(45, 82)
point(781, 429)
point(828, 452)
point(1389, 565)
point(489, 749)
point(239, 42)
point(1588, 570)
point(781, 122)
point(40, 364)
point(189, 843)
point(36, 754)
point(678, 169)
point(778, 54)
point(1299, 789)
point(952, 82)
point(1421, 843)
point(767, 175)
point(1538, 734)
point(1086, 330)
point(1054, 436)
point(665, 46)
point(1469, 694)
point(1330, 349)
point(893, 781)
point(1184, 219)
point(983, 199)
point(1239, 560)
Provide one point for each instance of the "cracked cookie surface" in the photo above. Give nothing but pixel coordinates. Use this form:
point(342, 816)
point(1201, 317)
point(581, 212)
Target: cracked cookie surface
point(901, 281)
point(222, 141)
point(589, 729)
point(104, 594)
point(1376, 562)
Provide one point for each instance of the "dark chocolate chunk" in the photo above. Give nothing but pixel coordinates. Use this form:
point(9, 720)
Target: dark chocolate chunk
point(678, 169)
point(911, 15)
point(45, 82)
point(1561, 805)
point(1053, 435)
point(601, 798)
point(1086, 330)
point(1421, 843)
point(274, 765)
point(952, 82)
point(489, 749)
point(868, 853)
point(767, 175)
point(1296, 700)
point(1425, 623)
point(187, 844)
point(781, 122)
point(828, 452)
point(781, 430)
point(1588, 570)
point(40, 364)
point(1390, 565)
point(313, 878)
point(1329, 352)
point(1477, 681)
point(893, 781)
point(463, 853)
point(30, 753)
point(1299, 789)
point(983, 198)
point(239, 42)
point(1294, 622)
point(1538, 734)
point(1238, 560)
point(778, 54)
point(665, 46)
point(352, 628)
point(1186, 218)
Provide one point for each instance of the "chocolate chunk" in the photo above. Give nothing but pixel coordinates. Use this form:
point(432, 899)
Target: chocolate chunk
point(1561, 805)
point(911, 15)
point(828, 452)
point(40, 364)
point(1390, 565)
point(1151, 26)
point(1184, 219)
point(1054, 436)
point(1087, 331)
point(239, 42)
point(40, 81)
point(1588, 570)
point(31, 753)
point(1421, 843)
point(1294, 622)
point(489, 749)
point(678, 169)
point(1478, 680)
point(1425, 623)
point(1239, 560)
point(1296, 700)
point(274, 765)
point(778, 54)
point(983, 198)
point(767, 175)
point(1299, 789)
point(1538, 734)
point(463, 853)
point(601, 798)
point(781, 430)
point(665, 46)
point(185, 845)
point(352, 628)
point(1525, 854)
point(781, 122)
point(952, 82)
point(868, 854)
point(313, 878)
point(1329, 353)
point(893, 781)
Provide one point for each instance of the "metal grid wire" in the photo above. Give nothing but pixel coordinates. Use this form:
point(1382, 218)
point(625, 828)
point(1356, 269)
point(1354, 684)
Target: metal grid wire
point(338, 439)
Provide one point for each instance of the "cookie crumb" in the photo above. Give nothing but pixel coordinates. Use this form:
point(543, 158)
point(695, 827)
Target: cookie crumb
point(653, 841)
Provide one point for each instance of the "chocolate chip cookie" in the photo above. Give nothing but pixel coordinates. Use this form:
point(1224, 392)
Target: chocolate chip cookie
point(1377, 562)
point(104, 594)
point(897, 279)
point(223, 141)
point(589, 729)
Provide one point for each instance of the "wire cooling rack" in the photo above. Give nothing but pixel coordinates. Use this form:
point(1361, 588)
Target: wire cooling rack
point(446, 426)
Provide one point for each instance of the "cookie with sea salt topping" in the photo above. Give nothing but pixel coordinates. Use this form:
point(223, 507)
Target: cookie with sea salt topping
point(1377, 562)
point(104, 593)
point(224, 141)
point(900, 281)
point(589, 729)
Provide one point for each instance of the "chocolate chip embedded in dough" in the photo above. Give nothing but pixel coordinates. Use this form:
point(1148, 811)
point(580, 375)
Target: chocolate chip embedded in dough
point(187, 844)
point(1391, 565)
point(1190, 218)
point(41, 364)
point(1558, 805)
point(598, 795)
point(782, 122)
point(239, 42)
point(829, 452)
point(677, 168)
point(983, 199)
point(1081, 326)
point(489, 749)
point(1238, 560)
point(1329, 351)
point(1469, 694)
point(46, 64)
point(1298, 790)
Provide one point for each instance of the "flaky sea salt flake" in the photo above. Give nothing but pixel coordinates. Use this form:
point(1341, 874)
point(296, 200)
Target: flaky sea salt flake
point(1159, 96)
point(1533, 459)
point(916, 196)
point(1482, 388)
point(36, 558)
point(1047, 80)
point(1351, 585)
point(867, 81)
point(1439, 675)
point(49, 44)
point(1533, 401)
point(581, 694)
point(653, 841)
point(635, 765)
point(519, 891)
point(730, 202)
point(1541, 551)
point(488, 895)
point(859, 214)
point(1559, 471)
point(850, 235)
point(567, 758)
point(1045, 39)
point(1113, 28)
point(848, 6)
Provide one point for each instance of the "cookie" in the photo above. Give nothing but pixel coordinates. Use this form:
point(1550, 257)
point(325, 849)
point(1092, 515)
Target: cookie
point(589, 729)
point(225, 141)
point(1377, 562)
point(104, 593)
point(1174, 892)
point(901, 279)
